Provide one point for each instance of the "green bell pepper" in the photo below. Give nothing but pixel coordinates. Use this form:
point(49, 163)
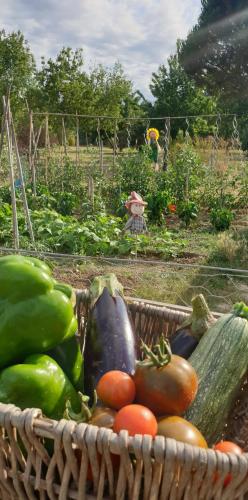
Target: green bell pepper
point(69, 358)
point(34, 315)
point(38, 383)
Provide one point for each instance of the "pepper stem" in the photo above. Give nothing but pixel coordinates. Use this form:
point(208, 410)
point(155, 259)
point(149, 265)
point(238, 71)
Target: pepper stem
point(159, 356)
point(85, 414)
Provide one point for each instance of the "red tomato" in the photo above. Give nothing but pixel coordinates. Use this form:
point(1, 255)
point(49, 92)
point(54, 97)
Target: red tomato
point(167, 390)
point(227, 447)
point(116, 389)
point(136, 419)
point(172, 208)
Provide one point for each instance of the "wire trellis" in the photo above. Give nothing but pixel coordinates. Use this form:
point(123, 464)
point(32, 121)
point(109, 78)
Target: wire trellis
point(167, 282)
point(90, 141)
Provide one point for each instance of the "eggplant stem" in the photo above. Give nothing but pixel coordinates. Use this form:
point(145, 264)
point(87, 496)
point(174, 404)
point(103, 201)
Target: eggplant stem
point(159, 356)
point(200, 318)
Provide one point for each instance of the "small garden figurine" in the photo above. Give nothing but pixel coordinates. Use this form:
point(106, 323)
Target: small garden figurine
point(135, 205)
point(152, 137)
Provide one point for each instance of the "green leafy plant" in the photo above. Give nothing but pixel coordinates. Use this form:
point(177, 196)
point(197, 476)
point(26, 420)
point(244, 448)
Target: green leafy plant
point(5, 194)
point(185, 172)
point(221, 218)
point(99, 234)
point(187, 212)
point(65, 202)
point(157, 203)
point(136, 173)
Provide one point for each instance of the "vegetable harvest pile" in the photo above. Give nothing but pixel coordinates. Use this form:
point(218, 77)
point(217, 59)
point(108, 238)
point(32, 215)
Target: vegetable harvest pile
point(182, 388)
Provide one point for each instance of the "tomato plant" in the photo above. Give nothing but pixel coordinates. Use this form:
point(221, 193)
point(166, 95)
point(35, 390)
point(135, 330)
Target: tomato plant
point(187, 211)
point(165, 383)
point(221, 218)
point(116, 389)
point(136, 419)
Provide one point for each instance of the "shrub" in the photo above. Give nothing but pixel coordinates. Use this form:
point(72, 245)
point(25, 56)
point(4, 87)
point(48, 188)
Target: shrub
point(221, 218)
point(187, 211)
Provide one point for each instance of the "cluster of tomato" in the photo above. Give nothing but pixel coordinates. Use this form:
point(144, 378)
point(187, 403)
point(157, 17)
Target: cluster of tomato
point(152, 402)
point(118, 391)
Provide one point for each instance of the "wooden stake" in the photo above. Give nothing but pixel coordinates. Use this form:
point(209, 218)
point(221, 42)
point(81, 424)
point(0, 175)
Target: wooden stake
point(2, 136)
point(115, 144)
point(101, 157)
point(77, 143)
point(100, 144)
point(24, 198)
point(36, 141)
point(32, 156)
point(91, 190)
point(46, 147)
point(4, 125)
point(12, 178)
point(64, 136)
point(30, 141)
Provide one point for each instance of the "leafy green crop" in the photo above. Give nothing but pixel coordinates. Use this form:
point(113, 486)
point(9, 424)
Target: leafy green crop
point(221, 218)
point(94, 235)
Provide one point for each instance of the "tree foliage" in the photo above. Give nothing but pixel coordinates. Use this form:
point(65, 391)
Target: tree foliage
point(176, 94)
point(215, 51)
point(63, 86)
point(16, 67)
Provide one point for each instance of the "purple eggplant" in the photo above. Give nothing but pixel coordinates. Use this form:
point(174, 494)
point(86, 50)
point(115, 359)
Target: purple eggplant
point(110, 342)
point(184, 341)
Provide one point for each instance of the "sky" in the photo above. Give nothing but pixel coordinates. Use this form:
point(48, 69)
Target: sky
point(140, 34)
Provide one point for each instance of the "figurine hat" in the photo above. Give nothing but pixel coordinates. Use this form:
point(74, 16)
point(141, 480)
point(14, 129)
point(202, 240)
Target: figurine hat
point(135, 198)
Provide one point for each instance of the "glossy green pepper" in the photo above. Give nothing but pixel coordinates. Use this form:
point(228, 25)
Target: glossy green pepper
point(69, 358)
point(34, 315)
point(38, 383)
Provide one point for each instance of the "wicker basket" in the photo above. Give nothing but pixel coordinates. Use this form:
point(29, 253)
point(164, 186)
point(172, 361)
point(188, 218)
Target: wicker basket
point(149, 469)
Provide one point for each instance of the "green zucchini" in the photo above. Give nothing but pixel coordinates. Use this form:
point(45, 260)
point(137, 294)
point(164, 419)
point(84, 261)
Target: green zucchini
point(221, 362)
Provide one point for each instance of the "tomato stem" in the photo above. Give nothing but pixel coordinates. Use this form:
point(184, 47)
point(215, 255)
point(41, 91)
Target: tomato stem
point(85, 414)
point(241, 310)
point(159, 356)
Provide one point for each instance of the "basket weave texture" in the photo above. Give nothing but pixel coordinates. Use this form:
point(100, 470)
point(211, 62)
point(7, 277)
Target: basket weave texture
point(148, 469)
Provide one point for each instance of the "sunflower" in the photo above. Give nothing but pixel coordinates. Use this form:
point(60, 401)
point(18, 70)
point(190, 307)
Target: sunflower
point(152, 130)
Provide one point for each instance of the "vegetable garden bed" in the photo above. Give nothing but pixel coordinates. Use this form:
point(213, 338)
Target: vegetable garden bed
point(148, 468)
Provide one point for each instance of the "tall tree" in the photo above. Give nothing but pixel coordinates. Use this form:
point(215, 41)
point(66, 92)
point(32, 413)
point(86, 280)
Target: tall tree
point(62, 84)
point(16, 67)
point(113, 95)
point(215, 51)
point(176, 94)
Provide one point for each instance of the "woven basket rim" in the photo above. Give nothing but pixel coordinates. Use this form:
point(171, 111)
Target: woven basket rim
point(45, 427)
point(165, 307)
